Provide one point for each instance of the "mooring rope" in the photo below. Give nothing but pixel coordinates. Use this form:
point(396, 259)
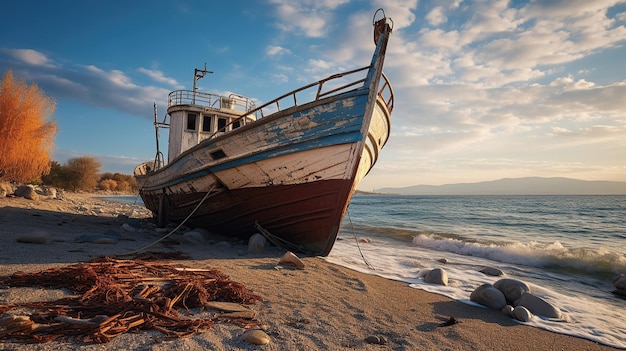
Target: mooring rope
point(275, 240)
point(357, 240)
point(173, 230)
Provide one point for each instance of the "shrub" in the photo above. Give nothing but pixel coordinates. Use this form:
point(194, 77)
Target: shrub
point(107, 185)
point(26, 134)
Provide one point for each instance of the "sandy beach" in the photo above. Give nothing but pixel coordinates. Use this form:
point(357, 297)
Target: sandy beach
point(320, 307)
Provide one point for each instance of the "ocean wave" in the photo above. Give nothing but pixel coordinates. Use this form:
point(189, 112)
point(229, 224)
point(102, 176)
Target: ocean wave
point(550, 256)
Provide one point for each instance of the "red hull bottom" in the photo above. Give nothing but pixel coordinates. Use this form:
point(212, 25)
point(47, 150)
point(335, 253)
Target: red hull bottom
point(306, 216)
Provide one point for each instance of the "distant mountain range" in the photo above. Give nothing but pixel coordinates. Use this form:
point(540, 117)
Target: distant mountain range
point(516, 186)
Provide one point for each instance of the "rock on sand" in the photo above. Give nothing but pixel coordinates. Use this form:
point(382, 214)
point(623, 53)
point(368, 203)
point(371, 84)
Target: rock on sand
point(256, 337)
point(512, 288)
point(489, 296)
point(256, 243)
point(27, 191)
point(290, 259)
point(436, 276)
point(538, 306)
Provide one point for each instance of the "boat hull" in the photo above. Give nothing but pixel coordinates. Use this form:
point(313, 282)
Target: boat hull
point(289, 175)
point(299, 196)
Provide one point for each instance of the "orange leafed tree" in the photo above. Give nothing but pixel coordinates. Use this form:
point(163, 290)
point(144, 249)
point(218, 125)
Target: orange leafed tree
point(26, 131)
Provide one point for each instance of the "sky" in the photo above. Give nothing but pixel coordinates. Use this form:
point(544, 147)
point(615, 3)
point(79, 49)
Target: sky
point(484, 90)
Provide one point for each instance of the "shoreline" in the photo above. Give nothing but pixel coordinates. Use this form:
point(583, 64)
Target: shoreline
point(323, 306)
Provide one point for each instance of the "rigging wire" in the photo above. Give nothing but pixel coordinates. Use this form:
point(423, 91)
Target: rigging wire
point(173, 230)
point(356, 240)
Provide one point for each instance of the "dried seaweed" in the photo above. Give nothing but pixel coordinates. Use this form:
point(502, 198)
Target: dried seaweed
point(117, 296)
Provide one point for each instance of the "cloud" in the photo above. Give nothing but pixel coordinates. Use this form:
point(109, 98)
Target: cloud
point(274, 50)
point(436, 16)
point(308, 17)
point(29, 56)
point(160, 77)
point(88, 84)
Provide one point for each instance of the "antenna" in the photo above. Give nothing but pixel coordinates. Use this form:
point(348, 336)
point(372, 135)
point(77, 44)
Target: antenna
point(197, 74)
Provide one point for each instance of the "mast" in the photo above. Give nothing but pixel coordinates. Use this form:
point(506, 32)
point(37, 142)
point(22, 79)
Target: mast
point(158, 158)
point(197, 74)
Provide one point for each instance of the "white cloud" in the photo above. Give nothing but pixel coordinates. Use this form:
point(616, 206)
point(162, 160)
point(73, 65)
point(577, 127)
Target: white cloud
point(160, 77)
point(310, 17)
point(316, 66)
point(280, 78)
point(436, 16)
point(274, 50)
point(29, 56)
point(116, 77)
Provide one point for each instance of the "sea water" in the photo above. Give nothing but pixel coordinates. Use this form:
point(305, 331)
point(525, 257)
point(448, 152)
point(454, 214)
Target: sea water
point(567, 248)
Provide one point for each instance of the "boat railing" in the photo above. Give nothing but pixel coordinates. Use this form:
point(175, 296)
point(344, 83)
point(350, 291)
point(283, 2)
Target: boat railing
point(330, 85)
point(190, 97)
point(386, 92)
point(333, 84)
point(325, 87)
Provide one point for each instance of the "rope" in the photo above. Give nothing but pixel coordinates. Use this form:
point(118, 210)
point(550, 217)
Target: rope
point(356, 240)
point(136, 199)
point(276, 241)
point(173, 230)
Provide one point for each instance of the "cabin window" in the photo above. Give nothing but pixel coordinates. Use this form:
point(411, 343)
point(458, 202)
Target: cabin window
point(191, 121)
point(236, 124)
point(221, 124)
point(206, 123)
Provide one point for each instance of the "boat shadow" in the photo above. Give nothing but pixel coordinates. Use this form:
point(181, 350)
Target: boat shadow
point(45, 236)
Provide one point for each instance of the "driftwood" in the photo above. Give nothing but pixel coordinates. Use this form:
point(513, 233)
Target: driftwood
point(117, 296)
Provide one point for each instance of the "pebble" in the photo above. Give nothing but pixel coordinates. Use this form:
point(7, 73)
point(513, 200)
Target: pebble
point(492, 271)
point(538, 306)
point(108, 237)
point(34, 238)
point(26, 191)
point(489, 296)
point(508, 310)
point(512, 288)
point(290, 259)
point(436, 276)
point(256, 243)
point(376, 340)
point(196, 236)
point(256, 337)
point(6, 188)
point(522, 313)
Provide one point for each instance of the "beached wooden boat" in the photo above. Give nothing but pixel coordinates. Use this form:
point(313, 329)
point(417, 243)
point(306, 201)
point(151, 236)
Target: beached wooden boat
point(236, 169)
